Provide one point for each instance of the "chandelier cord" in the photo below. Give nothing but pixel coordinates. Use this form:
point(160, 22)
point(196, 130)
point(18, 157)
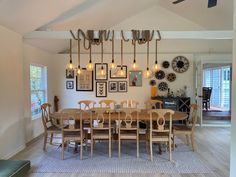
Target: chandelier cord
point(70, 50)
point(78, 51)
point(113, 46)
point(148, 55)
point(121, 52)
point(134, 42)
point(90, 52)
point(156, 52)
point(102, 53)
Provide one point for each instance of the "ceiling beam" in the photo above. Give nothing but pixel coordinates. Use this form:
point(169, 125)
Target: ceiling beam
point(128, 35)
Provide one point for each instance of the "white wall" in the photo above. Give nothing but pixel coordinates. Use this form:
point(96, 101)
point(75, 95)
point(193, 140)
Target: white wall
point(69, 98)
point(11, 93)
point(233, 119)
point(32, 55)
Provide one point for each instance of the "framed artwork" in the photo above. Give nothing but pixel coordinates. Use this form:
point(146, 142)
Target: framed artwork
point(69, 84)
point(84, 82)
point(70, 74)
point(113, 86)
point(101, 89)
point(122, 86)
point(135, 78)
point(114, 72)
point(97, 69)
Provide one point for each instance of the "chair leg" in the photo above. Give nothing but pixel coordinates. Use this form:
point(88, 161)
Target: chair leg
point(150, 141)
point(92, 144)
point(51, 138)
point(187, 139)
point(109, 147)
point(137, 147)
point(119, 146)
point(45, 140)
point(81, 149)
point(192, 141)
point(170, 149)
point(173, 142)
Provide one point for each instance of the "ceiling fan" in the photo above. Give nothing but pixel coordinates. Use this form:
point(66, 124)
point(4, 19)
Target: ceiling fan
point(211, 3)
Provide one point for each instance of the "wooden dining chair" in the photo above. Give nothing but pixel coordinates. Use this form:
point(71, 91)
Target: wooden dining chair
point(86, 104)
point(160, 131)
point(128, 128)
point(107, 103)
point(100, 127)
point(129, 104)
point(72, 128)
point(153, 104)
point(50, 126)
point(189, 129)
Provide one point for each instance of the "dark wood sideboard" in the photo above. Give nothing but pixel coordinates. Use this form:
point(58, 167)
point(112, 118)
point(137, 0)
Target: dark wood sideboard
point(175, 103)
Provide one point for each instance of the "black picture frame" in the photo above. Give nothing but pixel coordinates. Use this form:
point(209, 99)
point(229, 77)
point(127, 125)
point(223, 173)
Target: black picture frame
point(102, 88)
point(69, 84)
point(116, 70)
point(97, 66)
point(125, 85)
point(88, 79)
point(113, 86)
point(70, 74)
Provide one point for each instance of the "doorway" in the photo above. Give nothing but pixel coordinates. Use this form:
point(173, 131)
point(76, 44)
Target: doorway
point(216, 93)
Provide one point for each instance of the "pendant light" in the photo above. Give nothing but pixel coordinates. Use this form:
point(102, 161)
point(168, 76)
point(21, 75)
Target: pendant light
point(134, 65)
point(121, 72)
point(156, 66)
point(78, 69)
point(102, 71)
point(89, 66)
point(70, 65)
point(112, 64)
point(148, 72)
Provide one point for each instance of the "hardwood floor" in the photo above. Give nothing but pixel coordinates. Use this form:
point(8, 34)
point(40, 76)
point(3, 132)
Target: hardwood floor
point(212, 144)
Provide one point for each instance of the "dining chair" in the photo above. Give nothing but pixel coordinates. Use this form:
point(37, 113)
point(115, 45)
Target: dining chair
point(86, 104)
point(72, 128)
point(100, 125)
point(159, 130)
point(50, 126)
point(153, 104)
point(189, 129)
point(107, 103)
point(128, 128)
point(129, 104)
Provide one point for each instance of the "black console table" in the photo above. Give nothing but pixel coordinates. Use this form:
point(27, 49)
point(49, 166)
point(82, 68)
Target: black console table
point(175, 103)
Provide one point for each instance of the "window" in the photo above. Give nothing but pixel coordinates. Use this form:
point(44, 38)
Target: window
point(38, 88)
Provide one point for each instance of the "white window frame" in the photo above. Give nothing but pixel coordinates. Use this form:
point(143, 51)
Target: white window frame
point(45, 80)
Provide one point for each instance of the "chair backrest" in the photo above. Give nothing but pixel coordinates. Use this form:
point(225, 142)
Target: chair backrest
point(156, 104)
point(107, 103)
point(129, 104)
point(158, 120)
point(206, 93)
point(86, 104)
point(131, 117)
point(102, 116)
point(46, 119)
point(193, 115)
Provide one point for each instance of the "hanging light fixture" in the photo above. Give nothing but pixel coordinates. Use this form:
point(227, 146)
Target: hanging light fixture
point(112, 64)
point(156, 66)
point(134, 65)
point(78, 69)
point(102, 71)
point(89, 66)
point(148, 72)
point(121, 71)
point(70, 65)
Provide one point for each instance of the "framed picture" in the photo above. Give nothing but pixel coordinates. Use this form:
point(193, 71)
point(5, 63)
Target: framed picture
point(135, 78)
point(84, 82)
point(97, 69)
point(122, 86)
point(70, 74)
point(114, 72)
point(101, 89)
point(69, 84)
point(113, 86)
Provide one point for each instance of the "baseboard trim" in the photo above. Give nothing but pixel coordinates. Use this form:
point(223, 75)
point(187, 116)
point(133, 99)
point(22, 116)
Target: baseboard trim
point(34, 140)
point(10, 155)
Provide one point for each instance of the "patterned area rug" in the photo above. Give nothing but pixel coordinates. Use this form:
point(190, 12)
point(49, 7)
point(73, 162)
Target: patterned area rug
point(184, 161)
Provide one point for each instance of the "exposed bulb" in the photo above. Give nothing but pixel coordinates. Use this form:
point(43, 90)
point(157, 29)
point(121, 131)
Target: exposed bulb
point(102, 71)
point(78, 71)
point(134, 65)
point(122, 72)
point(157, 67)
point(70, 66)
point(89, 66)
point(113, 65)
point(147, 73)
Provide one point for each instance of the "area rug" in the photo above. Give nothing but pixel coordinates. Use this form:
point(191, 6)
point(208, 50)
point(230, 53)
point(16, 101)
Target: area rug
point(184, 161)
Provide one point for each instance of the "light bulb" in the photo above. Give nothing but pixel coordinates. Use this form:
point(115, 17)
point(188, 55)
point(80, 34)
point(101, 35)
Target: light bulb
point(121, 72)
point(89, 66)
point(70, 66)
point(113, 65)
point(102, 72)
point(147, 73)
point(134, 65)
point(79, 71)
point(157, 67)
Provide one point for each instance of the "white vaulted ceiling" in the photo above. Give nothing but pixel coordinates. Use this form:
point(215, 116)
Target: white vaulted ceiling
point(25, 16)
